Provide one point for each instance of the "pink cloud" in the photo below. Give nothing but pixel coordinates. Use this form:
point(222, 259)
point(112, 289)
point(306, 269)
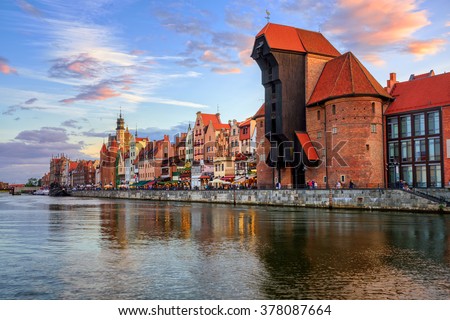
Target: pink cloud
point(5, 68)
point(366, 23)
point(30, 9)
point(374, 59)
point(101, 91)
point(245, 58)
point(137, 52)
point(209, 56)
point(226, 70)
point(421, 48)
point(81, 66)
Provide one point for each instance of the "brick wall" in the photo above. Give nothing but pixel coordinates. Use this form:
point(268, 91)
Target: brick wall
point(353, 151)
point(314, 67)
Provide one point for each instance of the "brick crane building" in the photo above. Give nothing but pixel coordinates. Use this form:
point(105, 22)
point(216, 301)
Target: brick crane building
point(323, 111)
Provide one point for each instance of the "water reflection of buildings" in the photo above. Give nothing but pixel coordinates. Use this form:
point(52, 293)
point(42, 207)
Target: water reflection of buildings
point(357, 256)
point(129, 222)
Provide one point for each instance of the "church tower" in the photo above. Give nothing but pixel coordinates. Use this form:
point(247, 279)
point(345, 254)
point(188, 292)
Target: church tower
point(120, 130)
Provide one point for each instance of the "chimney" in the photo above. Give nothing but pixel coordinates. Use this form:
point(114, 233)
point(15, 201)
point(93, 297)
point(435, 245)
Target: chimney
point(391, 82)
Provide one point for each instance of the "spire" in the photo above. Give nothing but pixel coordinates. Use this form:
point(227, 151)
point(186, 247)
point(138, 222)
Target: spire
point(136, 132)
point(120, 121)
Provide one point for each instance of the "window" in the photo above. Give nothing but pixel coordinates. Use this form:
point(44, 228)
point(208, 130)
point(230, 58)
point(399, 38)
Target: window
point(419, 150)
point(324, 179)
point(406, 151)
point(318, 114)
point(319, 135)
point(406, 126)
point(419, 124)
point(373, 128)
point(274, 125)
point(392, 124)
point(435, 176)
point(407, 174)
point(333, 109)
point(433, 122)
point(274, 107)
point(434, 149)
point(373, 107)
point(223, 167)
point(448, 148)
point(234, 132)
point(393, 151)
point(342, 178)
point(334, 130)
point(421, 177)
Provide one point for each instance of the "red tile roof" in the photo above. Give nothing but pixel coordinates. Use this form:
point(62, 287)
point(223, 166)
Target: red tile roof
point(206, 118)
point(73, 165)
point(307, 146)
point(420, 93)
point(219, 126)
point(345, 76)
point(261, 112)
point(421, 76)
point(244, 123)
point(292, 39)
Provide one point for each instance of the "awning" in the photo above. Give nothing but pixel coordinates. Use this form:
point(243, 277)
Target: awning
point(205, 177)
point(141, 183)
point(307, 146)
point(240, 179)
point(226, 178)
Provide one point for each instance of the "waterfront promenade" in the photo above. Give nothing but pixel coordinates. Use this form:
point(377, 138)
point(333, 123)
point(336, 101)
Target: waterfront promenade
point(369, 199)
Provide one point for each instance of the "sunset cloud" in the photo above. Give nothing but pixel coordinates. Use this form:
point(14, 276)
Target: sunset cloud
point(30, 9)
point(421, 48)
point(374, 59)
point(367, 24)
point(101, 91)
point(5, 68)
point(80, 66)
point(225, 70)
point(137, 52)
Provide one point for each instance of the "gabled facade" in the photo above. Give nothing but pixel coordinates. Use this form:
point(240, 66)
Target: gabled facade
point(190, 145)
point(199, 130)
point(235, 143)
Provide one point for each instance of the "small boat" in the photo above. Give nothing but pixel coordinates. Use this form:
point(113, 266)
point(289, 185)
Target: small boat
point(56, 190)
point(42, 192)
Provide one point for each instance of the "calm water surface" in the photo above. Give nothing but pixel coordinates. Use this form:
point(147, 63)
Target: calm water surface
point(75, 248)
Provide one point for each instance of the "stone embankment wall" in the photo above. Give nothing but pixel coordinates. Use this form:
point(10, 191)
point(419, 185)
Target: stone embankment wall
point(372, 199)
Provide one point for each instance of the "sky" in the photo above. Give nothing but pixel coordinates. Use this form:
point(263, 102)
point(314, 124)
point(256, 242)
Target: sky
point(68, 68)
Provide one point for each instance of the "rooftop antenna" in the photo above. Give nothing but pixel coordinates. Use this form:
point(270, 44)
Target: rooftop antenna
point(267, 17)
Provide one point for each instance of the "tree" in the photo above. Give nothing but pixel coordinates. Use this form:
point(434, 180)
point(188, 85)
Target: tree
point(32, 182)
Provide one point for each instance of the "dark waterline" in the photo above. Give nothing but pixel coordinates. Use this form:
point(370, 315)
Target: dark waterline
point(83, 248)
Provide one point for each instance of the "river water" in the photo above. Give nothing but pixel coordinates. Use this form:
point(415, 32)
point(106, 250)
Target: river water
point(85, 248)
